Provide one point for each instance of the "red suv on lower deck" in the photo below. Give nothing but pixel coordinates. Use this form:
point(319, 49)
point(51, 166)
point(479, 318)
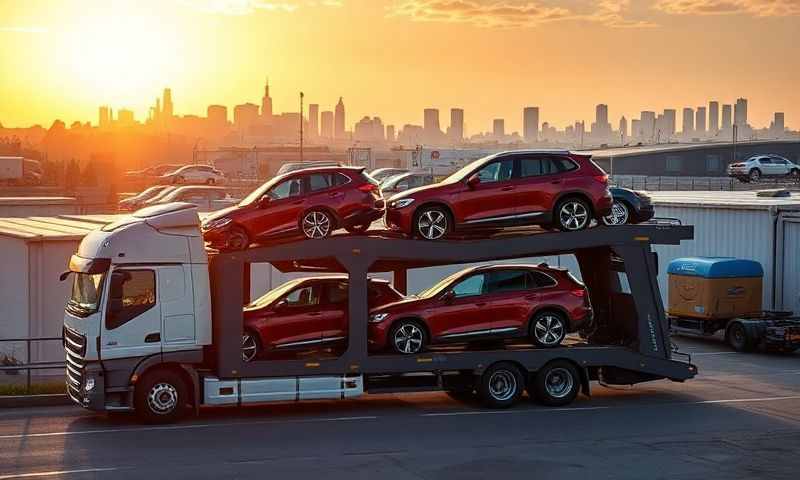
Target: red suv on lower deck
point(311, 203)
point(491, 302)
point(560, 189)
point(305, 313)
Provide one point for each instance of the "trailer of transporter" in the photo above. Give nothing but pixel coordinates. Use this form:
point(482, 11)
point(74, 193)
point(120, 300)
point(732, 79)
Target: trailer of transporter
point(155, 322)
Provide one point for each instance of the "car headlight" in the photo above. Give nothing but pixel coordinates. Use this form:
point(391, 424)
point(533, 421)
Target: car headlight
point(403, 202)
point(89, 386)
point(214, 224)
point(378, 317)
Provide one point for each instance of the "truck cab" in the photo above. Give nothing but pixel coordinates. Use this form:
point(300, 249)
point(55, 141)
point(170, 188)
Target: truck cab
point(140, 296)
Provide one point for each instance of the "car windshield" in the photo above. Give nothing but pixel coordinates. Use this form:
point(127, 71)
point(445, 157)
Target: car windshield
point(391, 181)
point(439, 287)
point(150, 192)
point(464, 171)
point(259, 192)
point(160, 195)
point(271, 296)
point(86, 289)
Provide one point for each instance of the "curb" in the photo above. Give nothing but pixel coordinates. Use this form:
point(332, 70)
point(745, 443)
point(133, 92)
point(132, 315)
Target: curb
point(22, 401)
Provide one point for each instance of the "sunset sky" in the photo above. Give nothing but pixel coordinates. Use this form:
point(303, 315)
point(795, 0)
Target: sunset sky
point(61, 59)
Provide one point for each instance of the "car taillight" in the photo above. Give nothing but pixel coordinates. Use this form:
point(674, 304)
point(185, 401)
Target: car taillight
point(368, 187)
point(602, 179)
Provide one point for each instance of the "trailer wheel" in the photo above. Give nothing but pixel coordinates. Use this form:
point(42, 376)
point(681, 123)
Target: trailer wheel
point(501, 385)
point(161, 397)
point(556, 384)
point(738, 338)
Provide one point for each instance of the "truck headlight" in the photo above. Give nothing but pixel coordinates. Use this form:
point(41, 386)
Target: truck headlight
point(214, 224)
point(378, 317)
point(403, 202)
point(89, 386)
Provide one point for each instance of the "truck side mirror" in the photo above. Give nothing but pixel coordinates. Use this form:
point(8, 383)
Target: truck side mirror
point(473, 181)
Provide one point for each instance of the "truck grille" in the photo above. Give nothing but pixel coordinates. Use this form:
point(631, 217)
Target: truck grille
point(75, 348)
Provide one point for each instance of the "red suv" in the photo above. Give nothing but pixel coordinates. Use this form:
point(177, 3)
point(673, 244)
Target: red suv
point(491, 302)
point(312, 202)
point(303, 313)
point(561, 189)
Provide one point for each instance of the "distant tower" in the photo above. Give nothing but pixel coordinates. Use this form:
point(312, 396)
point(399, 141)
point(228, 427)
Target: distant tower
point(700, 120)
point(740, 112)
point(713, 117)
point(167, 106)
point(670, 125)
point(530, 124)
point(217, 116)
point(456, 131)
point(313, 120)
point(390, 135)
point(104, 119)
point(266, 104)
point(338, 121)
point(326, 125)
point(623, 128)
point(726, 117)
point(688, 121)
point(498, 128)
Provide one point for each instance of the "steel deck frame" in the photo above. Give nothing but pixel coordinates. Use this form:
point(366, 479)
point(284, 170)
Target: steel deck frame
point(359, 255)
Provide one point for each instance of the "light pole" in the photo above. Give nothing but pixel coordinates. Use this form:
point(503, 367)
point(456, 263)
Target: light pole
point(301, 126)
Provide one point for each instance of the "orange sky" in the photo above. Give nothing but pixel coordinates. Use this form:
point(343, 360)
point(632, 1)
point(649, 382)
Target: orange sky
point(61, 59)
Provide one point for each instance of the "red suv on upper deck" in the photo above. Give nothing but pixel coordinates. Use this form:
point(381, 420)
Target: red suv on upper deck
point(312, 202)
point(558, 188)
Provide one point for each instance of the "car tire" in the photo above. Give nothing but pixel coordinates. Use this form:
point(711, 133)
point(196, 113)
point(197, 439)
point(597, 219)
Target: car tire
point(754, 175)
point(408, 337)
point(316, 224)
point(358, 229)
point(795, 175)
point(432, 223)
point(573, 214)
point(620, 214)
point(501, 385)
point(556, 384)
point(251, 347)
point(161, 396)
point(548, 329)
point(738, 338)
point(237, 239)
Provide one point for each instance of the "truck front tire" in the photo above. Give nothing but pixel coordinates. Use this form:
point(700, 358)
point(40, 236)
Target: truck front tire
point(161, 396)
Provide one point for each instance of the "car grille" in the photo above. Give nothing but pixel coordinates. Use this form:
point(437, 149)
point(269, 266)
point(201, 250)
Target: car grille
point(75, 348)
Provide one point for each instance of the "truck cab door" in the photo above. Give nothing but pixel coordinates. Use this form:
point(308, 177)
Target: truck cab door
point(132, 321)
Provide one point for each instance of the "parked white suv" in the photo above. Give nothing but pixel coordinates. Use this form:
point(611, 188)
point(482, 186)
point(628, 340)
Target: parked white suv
point(194, 174)
point(760, 166)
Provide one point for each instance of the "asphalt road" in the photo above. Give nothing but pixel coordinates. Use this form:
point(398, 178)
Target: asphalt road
point(740, 418)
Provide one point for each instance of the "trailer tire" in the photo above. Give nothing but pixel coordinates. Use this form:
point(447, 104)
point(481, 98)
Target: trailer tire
point(737, 336)
point(501, 385)
point(161, 396)
point(555, 384)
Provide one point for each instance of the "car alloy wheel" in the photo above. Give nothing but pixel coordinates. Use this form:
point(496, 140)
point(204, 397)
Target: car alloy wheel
point(755, 175)
point(558, 382)
point(432, 224)
point(249, 347)
point(162, 398)
point(618, 216)
point(408, 338)
point(548, 329)
point(316, 224)
point(573, 215)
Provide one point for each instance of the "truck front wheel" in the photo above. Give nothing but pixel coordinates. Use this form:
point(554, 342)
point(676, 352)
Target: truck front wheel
point(161, 397)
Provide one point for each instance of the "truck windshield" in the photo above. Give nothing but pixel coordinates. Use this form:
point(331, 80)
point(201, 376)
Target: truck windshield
point(86, 289)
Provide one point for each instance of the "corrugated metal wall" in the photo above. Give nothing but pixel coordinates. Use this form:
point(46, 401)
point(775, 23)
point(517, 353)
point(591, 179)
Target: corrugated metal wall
point(741, 233)
point(790, 263)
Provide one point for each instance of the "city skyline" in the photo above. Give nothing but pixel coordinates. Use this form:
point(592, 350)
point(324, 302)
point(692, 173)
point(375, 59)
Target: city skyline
point(119, 53)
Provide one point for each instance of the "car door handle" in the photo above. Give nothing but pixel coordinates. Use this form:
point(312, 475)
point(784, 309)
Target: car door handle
point(506, 189)
point(314, 314)
point(152, 337)
point(335, 194)
point(481, 304)
point(298, 202)
point(555, 182)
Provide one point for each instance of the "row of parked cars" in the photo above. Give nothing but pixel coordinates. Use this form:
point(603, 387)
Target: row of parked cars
point(489, 303)
point(556, 190)
point(206, 197)
point(177, 174)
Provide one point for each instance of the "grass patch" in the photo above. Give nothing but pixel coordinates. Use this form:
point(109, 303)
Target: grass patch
point(36, 389)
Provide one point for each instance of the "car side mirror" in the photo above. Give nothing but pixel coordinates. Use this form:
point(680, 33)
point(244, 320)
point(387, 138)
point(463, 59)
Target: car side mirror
point(473, 181)
point(281, 304)
point(264, 201)
point(449, 296)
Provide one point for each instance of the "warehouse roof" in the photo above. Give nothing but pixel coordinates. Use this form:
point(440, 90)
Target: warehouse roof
point(676, 147)
point(725, 199)
point(7, 201)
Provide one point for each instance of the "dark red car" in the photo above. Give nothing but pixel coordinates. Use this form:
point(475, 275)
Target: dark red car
point(491, 302)
point(305, 313)
point(312, 203)
point(560, 189)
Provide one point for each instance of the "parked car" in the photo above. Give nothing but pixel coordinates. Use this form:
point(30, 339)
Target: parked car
point(311, 203)
point(760, 166)
point(194, 174)
point(207, 198)
point(405, 181)
point(490, 302)
point(305, 313)
point(381, 174)
point(629, 207)
point(556, 189)
point(293, 167)
point(154, 171)
point(136, 201)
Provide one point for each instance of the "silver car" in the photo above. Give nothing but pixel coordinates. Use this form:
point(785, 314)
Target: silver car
point(762, 166)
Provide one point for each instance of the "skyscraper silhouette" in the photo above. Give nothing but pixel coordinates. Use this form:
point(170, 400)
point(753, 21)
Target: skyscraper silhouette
point(338, 132)
point(456, 130)
point(266, 104)
point(713, 117)
point(530, 124)
point(313, 120)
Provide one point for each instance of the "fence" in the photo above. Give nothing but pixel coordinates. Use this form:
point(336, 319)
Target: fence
point(640, 182)
point(13, 366)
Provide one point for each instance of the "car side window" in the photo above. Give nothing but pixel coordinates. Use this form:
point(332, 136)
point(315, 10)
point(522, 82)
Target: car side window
point(340, 179)
point(764, 161)
point(132, 293)
point(286, 189)
point(303, 297)
point(539, 280)
point(499, 171)
point(402, 184)
point(779, 161)
point(319, 181)
point(536, 166)
point(470, 286)
point(506, 281)
point(337, 293)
